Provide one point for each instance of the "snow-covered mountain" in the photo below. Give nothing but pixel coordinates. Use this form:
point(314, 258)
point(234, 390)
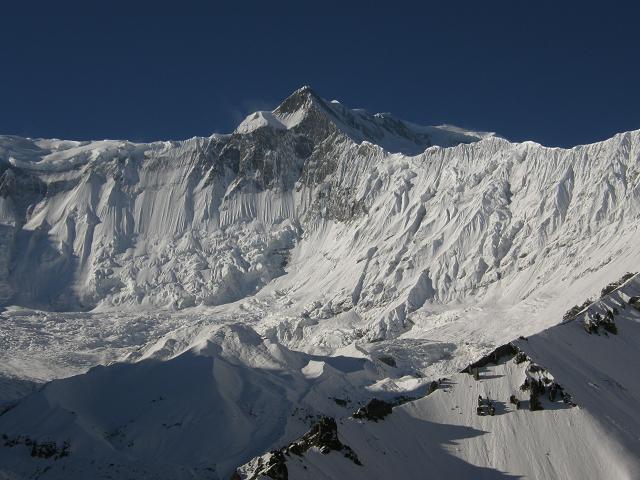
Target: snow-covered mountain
point(234, 395)
point(212, 220)
point(201, 413)
point(316, 253)
point(177, 224)
point(585, 424)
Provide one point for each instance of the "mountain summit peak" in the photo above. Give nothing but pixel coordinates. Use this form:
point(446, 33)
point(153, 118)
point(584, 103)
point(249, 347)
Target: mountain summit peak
point(305, 110)
point(304, 89)
point(303, 98)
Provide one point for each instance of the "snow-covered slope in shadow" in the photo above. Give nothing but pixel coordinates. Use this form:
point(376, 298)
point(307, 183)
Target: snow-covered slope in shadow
point(235, 395)
point(197, 415)
point(587, 425)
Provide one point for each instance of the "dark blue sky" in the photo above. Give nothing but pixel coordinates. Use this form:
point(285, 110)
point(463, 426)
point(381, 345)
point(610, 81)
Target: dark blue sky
point(559, 75)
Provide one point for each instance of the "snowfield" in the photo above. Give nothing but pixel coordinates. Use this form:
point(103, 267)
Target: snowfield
point(196, 304)
point(442, 436)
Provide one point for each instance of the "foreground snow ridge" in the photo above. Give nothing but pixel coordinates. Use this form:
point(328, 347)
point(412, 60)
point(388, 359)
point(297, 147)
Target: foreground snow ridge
point(563, 404)
point(297, 299)
point(591, 432)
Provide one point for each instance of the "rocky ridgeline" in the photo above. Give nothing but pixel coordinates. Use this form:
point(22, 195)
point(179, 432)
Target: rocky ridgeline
point(387, 224)
point(323, 435)
point(537, 382)
point(38, 449)
point(593, 319)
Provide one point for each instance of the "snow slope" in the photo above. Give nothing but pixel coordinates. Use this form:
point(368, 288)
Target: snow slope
point(303, 201)
point(310, 233)
point(441, 435)
point(174, 224)
point(199, 414)
point(301, 225)
point(235, 395)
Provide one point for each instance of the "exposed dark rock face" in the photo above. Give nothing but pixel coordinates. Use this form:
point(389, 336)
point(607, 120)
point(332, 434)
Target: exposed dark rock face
point(520, 357)
point(341, 401)
point(613, 286)
point(276, 466)
point(388, 359)
point(374, 410)
point(576, 309)
point(48, 449)
point(433, 386)
point(20, 185)
point(323, 435)
point(593, 323)
point(536, 390)
point(507, 350)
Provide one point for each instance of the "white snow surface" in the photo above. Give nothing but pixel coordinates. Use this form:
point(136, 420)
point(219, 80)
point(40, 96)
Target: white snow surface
point(315, 231)
point(235, 395)
point(441, 436)
point(199, 414)
point(257, 120)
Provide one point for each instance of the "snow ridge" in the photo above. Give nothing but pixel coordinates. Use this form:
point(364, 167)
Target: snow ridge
point(590, 432)
point(316, 256)
point(235, 395)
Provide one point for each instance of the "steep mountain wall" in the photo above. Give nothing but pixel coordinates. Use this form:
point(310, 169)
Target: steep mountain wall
point(304, 195)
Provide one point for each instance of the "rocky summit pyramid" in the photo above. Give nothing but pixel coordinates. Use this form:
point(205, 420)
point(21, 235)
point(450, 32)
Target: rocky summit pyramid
point(249, 285)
